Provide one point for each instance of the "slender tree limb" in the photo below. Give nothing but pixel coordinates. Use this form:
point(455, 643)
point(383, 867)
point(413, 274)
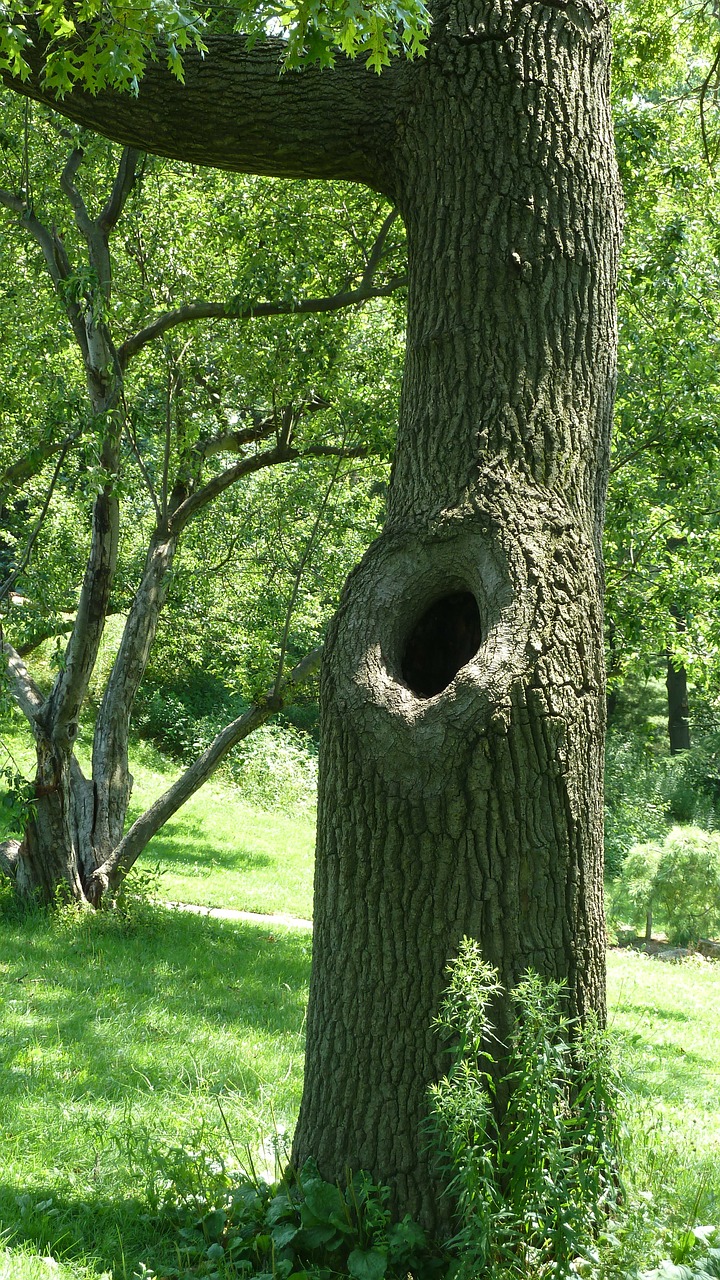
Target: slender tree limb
point(17, 473)
point(146, 826)
point(651, 538)
point(709, 86)
point(46, 632)
point(234, 311)
point(70, 191)
point(298, 577)
point(234, 441)
point(651, 442)
point(56, 260)
point(122, 186)
point(263, 426)
point(246, 466)
point(10, 581)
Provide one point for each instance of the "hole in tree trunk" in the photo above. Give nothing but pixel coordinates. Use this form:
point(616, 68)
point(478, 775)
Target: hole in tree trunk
point(444, 639)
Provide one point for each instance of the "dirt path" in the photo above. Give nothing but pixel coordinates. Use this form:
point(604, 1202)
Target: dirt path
point(252, 917)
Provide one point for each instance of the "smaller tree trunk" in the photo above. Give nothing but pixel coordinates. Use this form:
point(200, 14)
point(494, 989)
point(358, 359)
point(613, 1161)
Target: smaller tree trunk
point(677, 692)
point(678, 709)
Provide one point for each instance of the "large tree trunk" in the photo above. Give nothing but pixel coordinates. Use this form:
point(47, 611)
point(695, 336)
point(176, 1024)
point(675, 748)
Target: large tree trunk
point(472, 805)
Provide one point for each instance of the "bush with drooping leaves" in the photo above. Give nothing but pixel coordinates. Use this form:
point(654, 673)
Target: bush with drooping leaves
point(678, 882)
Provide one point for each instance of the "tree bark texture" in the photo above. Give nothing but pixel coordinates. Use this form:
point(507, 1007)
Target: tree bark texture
point(476, 811)
point(476, 808)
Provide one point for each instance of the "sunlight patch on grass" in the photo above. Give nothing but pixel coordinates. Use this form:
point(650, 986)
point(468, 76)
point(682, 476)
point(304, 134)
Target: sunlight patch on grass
point(219, 851)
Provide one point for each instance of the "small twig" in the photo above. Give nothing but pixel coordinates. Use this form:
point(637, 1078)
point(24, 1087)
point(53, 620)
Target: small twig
point(10, 581)
point(299, 573)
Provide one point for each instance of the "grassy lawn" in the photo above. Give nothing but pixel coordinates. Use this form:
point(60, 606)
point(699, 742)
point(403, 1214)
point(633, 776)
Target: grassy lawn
point(143, 1052)
point(131, 1052)
point(219, 851)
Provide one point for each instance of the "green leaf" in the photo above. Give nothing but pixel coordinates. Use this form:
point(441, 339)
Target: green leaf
point(367, 1264)
point(213, 1224)
point(325, 1201)
point(283, 1234)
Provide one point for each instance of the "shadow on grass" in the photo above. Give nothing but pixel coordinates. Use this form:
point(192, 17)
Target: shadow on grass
point(112, 1235)
point(662, 1015)
point(188, 843)
point(693, 1077)
point(139, 1002)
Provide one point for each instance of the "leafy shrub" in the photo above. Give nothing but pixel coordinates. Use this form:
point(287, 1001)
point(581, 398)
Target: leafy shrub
point(275, 767)
point(678, 882)
point(646, 793)
point(532, 1178)
point(691, 783)
point(635, 803)
point(302, 1227)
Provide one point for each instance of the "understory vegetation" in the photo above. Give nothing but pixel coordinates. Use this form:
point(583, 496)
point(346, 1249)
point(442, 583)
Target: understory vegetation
point(152, 1067)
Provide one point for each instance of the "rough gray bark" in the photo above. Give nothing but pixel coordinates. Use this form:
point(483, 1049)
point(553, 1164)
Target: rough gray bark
point(477, 810)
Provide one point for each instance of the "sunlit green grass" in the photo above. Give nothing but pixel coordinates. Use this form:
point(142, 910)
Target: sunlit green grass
point(219, 851)
point(665, 1019)
point(127, 1048)
point(133, 1051)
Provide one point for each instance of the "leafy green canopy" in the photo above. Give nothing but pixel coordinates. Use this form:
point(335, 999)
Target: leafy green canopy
point(106, 44)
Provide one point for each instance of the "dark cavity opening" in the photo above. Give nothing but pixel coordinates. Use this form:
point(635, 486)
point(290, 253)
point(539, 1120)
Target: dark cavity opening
point(445, 638)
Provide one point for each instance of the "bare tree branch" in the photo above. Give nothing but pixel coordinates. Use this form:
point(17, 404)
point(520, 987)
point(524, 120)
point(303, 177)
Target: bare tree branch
point(122, 186)
point(146, 826)
point(70, 191)
point(10, 581)
point(233, 310)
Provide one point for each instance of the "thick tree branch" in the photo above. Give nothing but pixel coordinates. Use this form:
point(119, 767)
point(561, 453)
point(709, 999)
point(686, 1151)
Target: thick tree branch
point(237, 112)
point(96, 231)
point(25, 691)
point(63, 706)
point(232, 310)
point(146, 826)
